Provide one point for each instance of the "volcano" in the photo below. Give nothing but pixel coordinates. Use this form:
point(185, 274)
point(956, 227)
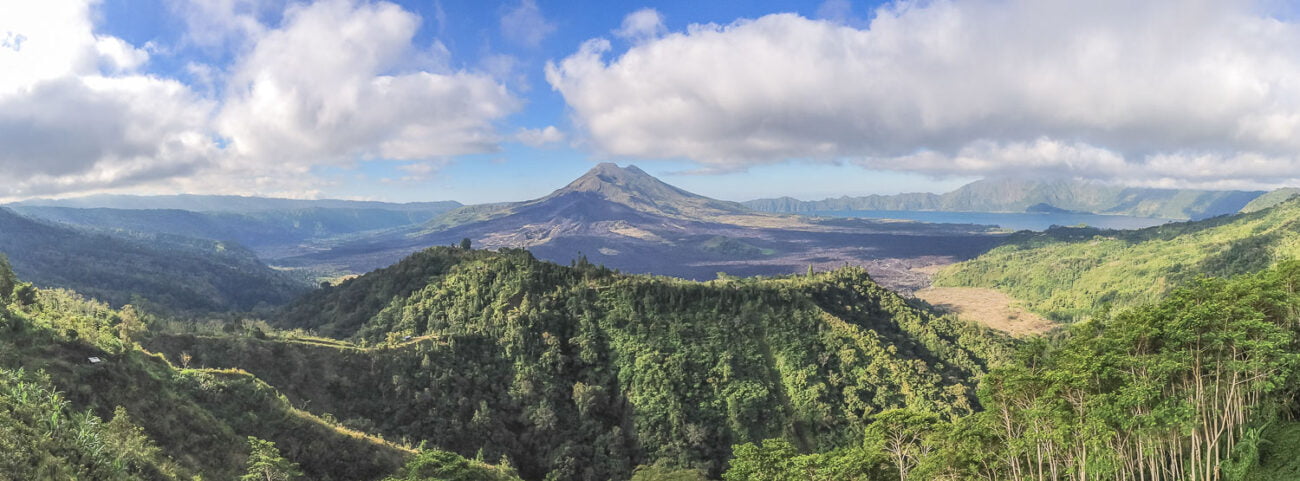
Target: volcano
point(625, 218)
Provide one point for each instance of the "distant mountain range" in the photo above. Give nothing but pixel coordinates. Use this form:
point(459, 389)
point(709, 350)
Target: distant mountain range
point(269, 233)
point(177, 272)
point(1022, 195)
point(628, 219)
point(226, 203)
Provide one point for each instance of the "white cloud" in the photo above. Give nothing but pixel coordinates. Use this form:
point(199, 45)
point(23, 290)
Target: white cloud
point(1112, 85)
point(119, 56)
point(224, 23)
point(525, 24)
point(75, 114)
point(317, 91)
point(1185, 168)
point(335, 83)
point(540, 137)
point(642, 25)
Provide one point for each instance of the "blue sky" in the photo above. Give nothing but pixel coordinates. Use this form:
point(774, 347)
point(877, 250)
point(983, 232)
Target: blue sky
point(472, 30)
point(483, 101)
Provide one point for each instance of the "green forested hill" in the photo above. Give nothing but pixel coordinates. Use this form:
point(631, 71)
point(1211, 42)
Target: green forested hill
point(135, 416)
point(578, 372)
point(177, 272)
point(1270, 199)
point(1199, 386)
point(1068, 273)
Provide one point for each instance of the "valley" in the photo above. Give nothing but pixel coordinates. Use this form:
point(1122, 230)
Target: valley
point(620, 217)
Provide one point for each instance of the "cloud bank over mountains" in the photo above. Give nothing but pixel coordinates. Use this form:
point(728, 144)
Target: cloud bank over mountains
point(1159, 92)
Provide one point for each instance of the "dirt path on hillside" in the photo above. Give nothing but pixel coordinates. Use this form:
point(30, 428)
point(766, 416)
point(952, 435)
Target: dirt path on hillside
point(986, 306)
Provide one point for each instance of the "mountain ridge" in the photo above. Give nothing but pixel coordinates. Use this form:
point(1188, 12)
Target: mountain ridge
point(224, 203)
point(1017, 195)
point(175, 271)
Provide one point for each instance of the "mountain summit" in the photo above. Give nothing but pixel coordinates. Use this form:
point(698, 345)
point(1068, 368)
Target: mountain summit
point(634, 188)
point(627, 219)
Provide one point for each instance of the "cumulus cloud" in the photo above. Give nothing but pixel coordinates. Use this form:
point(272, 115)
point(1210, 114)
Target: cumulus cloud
point(540, 137)
point(1087, 88)
point(525, 25)
point(316, 91)
point(224, 23)
point(332, 83)
point(75, 113)
point(641, 25)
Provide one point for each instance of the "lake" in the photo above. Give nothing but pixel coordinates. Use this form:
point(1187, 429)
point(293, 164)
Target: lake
point(1006, 220)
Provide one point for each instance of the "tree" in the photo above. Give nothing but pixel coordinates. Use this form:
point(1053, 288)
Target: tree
point(770, 461)
point(660, 473)
point(900, 434)
point(465, 244)
point(8, 280)
point(266, 464)
point(132, 444)
point(130, 324)
point(435, 465)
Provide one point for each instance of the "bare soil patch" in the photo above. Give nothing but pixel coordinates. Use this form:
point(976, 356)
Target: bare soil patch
point(986, 306)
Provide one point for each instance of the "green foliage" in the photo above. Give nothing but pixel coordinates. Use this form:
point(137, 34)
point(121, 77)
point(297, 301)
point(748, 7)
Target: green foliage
point(773, 460)
point(902, 435)
point(182, 422)
point(577, 372)
point(342, 309)
point(1277, 459)
point(660, 473)
point(42, 437)
point(1270, 199)
point(435, 465)
point(1186, 388)
point(266, 464)
point(1070, 273)
point(778, 460)
point(8, 280)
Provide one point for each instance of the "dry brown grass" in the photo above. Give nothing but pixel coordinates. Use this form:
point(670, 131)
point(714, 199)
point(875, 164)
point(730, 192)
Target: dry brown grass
point(987, 306)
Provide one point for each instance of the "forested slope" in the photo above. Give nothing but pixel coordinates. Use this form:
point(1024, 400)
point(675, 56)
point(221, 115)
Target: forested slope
point(1199, 386)
point(177, 272)
point(1068, 273)
point(271, 233)
point(163, 422)
point(577, 372)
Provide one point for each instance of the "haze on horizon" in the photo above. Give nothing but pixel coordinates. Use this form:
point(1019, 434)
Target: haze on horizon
point(501, 101)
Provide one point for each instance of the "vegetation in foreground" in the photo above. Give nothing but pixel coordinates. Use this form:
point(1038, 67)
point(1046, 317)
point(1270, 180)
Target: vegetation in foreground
point(578, 372)
point(79, 400)
point(1067, 273)
point(1199, 386)
point(582, 373)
